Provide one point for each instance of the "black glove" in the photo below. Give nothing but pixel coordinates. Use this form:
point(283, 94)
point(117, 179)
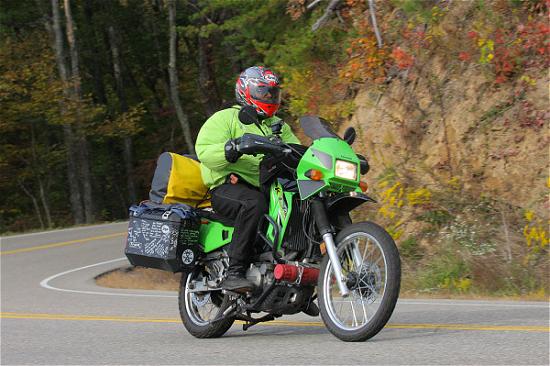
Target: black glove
point(231, 153)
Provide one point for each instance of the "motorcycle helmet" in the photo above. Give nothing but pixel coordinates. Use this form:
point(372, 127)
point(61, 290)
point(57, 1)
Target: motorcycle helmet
point(259, 87)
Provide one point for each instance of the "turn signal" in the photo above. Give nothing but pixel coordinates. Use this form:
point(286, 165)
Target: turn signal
point(314, 174)
point(323, 248)
point(364, 186)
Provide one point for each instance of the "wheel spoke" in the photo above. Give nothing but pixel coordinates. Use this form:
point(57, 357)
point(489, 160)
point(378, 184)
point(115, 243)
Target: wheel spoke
point(365, 317)
point(354, 322)
point(363, 259)
point(354, 247)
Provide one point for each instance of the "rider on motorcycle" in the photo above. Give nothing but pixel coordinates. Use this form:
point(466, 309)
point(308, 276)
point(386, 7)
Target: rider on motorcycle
point(233, 178)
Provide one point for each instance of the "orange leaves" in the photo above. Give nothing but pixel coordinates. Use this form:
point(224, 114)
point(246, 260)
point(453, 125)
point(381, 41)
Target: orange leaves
point(296, 8)
point(508, 51)
point(365, 62)
point(464, 56)
point(402, 59)
point(473, 35)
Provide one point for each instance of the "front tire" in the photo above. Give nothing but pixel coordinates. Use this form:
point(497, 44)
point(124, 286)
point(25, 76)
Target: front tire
point(370, 262)
point(197, 309)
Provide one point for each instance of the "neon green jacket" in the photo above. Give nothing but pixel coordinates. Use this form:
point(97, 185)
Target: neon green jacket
point(215, 132)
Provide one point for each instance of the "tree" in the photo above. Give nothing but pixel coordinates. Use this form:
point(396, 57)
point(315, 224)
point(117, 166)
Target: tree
point(70, 141)
point(172, 71)
point(82, 143)
point(127, 140)
point(29, 152)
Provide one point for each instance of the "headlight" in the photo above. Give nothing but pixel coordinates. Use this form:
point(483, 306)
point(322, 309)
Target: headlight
point(346, 170)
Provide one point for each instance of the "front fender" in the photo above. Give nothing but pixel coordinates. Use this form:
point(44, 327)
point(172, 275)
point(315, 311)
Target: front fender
point(343, 203)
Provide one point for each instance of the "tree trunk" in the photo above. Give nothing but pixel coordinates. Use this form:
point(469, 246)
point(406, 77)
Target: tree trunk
point(127, 140)
point(38, 172)
point(72, 176)
point(372, 10)
point(161, 75)
point(172, 72)
point(82, 150)
point(70, 29)
point(99, 94)
point(207, 80)
point(34, 203)
point(45, 203)
point(75, 196)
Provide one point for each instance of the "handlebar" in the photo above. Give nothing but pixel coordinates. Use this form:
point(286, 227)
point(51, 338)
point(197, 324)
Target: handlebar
point(255, 144)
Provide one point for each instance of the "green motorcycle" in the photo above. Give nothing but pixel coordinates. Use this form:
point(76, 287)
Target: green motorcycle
point(307, 246)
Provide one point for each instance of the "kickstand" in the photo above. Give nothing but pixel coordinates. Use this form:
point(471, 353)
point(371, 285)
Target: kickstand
point(250, 321)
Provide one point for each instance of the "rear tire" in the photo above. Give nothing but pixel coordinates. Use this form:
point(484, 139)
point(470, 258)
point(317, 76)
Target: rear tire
point(370, 283)
point(190, 306)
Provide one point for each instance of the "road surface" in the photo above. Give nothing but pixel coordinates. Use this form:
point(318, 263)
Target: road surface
point(53, 313)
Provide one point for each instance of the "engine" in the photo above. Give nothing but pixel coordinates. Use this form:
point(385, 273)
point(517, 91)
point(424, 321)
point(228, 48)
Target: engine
point(292, 286)
point(261, 274)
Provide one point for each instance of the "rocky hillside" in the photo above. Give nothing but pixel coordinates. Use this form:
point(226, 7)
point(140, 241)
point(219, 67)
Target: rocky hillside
point(457, 137)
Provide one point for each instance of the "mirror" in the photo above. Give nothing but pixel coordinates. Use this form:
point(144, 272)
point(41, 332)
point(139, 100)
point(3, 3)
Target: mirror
point(248, 115)
point(349, 135)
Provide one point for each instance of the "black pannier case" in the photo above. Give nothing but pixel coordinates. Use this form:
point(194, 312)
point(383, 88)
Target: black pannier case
point(162, 236)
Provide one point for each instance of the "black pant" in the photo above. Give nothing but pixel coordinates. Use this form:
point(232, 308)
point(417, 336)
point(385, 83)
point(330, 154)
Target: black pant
point(246, 205)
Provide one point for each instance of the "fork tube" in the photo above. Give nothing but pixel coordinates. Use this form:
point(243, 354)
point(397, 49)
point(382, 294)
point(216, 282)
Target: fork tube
point(325, 229)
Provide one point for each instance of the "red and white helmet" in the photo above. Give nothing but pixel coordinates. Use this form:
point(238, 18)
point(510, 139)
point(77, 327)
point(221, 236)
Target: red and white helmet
point(259, 87)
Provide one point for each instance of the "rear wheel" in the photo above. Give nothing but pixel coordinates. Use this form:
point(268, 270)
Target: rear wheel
point(198, 309)
point(370, 263)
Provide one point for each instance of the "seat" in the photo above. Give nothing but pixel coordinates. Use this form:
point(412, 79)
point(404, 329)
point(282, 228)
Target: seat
point(210, 214)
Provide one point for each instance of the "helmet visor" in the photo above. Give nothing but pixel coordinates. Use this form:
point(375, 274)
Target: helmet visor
point(266, 94)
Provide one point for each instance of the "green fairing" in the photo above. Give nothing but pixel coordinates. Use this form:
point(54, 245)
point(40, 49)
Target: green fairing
point(280, 209)
point(336, 149)
point(214, 235)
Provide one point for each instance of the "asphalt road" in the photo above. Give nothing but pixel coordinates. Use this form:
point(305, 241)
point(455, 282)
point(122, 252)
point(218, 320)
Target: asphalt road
point(53, 313)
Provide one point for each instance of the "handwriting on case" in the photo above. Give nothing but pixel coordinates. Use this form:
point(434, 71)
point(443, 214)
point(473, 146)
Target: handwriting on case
point(152, 238)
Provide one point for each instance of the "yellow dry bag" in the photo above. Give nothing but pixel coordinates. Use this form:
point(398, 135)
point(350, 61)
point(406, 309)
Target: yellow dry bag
point(178, 179)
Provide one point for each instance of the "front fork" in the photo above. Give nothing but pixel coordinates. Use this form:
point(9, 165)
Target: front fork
point(327, 231)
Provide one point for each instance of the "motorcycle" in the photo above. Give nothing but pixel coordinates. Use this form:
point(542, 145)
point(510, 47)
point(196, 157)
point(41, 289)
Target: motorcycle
point(307, 246)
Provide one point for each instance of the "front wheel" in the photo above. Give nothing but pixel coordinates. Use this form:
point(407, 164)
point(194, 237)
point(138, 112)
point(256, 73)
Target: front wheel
point(372, 268)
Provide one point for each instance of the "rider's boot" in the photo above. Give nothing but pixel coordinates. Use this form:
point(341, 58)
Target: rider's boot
point(236, 280)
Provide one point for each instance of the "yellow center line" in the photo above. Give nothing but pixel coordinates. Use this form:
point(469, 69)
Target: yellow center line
point(517, 328)
point(61, 244)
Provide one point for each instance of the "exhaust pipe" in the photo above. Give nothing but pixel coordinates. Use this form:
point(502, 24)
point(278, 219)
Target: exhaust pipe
point(296, 274)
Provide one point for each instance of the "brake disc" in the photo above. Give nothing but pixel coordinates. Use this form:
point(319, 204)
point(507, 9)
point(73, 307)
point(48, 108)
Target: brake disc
point(199, 300)
point(365, 284)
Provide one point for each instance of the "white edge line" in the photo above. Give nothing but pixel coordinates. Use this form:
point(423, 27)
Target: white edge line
point(61, 230)
point(44, 283)
point(472, 304)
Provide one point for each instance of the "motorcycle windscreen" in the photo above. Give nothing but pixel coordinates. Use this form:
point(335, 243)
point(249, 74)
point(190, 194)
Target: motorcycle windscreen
point(316, 127)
